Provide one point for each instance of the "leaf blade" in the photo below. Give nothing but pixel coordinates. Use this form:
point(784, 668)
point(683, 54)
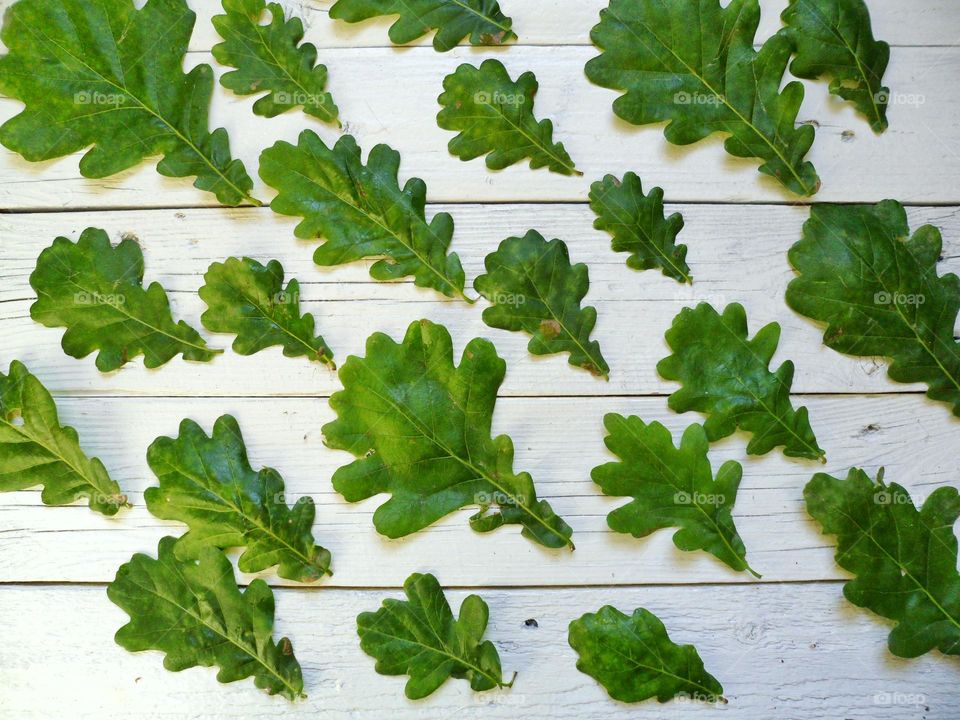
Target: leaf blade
point(692, 63)
point(494, 117)
point(196, 615)
point(726, 376)
point(249, 300)
point(421, 430)
point(481, 20)
point(362, 212)
point(655, 666)
point(638, 225)
point(904, 560)
point(40, 451)
point(421, 638)
point(535, 289)
point(95, 290)
point(95, 76)
point(835, 38)
point(877, 290)
point(271, 58)
point(671, 487)
point(207, 483)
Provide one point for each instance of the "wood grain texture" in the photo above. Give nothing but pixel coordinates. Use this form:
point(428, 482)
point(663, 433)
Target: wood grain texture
point(390, 96)
point(790, 652)
point(736, 254)
point(558, 440)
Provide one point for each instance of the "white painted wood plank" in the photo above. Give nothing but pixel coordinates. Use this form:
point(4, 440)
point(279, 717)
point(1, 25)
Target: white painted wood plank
point(797, 651)
point(376, 106)
point(737, 254)
point(558, 440)
point(561, 22)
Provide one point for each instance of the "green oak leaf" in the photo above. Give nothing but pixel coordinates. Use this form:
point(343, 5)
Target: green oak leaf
point(421, 638)
point(95, 290)
point(249, 300)
point(362, 212)
point(208, 484)
point(904, 560)
point(634, 659)
point(671, 487)
point(639, 226)
point(534, 288)
point(692, 64)
point(196, 615)
point(727, 377)
point(878, 291)
point(420, 428)
point(835, 38)
point(269, 58)
point(110, 75)
point(453, 20)
point(35, 449)
point(494, 117)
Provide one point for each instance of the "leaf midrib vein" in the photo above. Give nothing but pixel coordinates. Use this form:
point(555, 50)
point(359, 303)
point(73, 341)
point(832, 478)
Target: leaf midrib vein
point(547, 303)
point(534, 141)
point(441, 649)
point(759, 400)
point(277, 324)
point(427, 28)
point(118, 308)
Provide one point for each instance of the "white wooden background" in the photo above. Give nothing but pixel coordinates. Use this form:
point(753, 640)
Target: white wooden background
point(788, 646)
